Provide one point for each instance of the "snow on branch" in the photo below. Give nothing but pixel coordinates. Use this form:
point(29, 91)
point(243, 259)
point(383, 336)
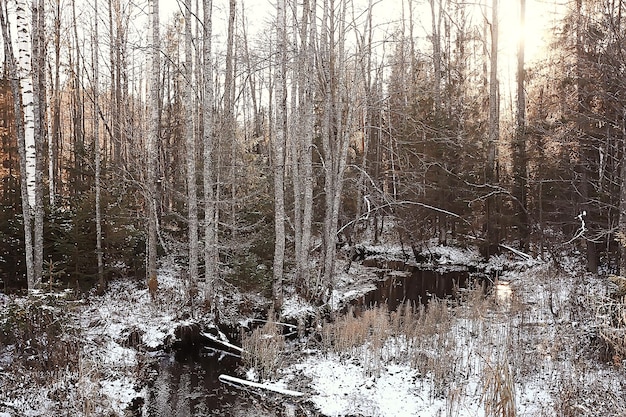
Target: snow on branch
point(581, 230)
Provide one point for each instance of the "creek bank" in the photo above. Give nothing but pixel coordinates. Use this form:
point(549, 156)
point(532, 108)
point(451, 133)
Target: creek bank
point(384, 276)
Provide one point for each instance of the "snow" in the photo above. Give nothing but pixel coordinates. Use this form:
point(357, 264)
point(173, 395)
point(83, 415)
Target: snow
point(535, 327)
point(527, 328)
point(109, 374)
point(345, 388)
point(294, 307)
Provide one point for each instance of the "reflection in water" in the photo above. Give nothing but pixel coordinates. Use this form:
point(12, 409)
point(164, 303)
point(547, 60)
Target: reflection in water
point(413, 285)
point(188, 387)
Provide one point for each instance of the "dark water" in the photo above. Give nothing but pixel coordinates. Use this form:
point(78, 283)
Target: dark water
point(404, 283)
point(188, 386)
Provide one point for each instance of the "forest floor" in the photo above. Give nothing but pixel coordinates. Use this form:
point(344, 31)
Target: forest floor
point(531, 345)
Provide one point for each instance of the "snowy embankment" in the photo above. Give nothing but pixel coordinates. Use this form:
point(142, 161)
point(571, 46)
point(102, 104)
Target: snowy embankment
point(529, 347)
point(113, 337)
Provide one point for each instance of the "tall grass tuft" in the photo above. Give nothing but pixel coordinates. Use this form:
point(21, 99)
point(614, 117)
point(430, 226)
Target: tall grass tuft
point(263, 348)
point(498, 396)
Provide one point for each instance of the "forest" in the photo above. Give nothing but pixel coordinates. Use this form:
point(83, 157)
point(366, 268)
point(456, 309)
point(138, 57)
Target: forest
point(147, 137)
point(271, 148)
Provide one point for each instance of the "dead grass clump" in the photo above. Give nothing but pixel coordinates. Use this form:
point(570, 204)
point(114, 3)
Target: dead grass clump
point(351, 331)
point(498, 396)
point(611, 320)
point(474, 300)
point(420, 336)
point(263, 348)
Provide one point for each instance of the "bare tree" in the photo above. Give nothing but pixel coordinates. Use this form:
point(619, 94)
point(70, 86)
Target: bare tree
point(96, 144)
point(303, 141)
point(519, 143)
point(54, 117)
point(153, 140)
point(208, 174)
point(279, 144)
point(39, 110)
point(228, 131)
point(493, 134)
point(190, 140)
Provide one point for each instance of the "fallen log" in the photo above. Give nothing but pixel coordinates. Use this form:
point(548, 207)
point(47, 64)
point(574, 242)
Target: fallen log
point(214, 339)
point(521, 254)
point(240, 383)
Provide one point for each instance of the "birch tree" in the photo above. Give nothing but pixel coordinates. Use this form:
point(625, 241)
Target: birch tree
point(21, 87)
point(153, 139)
point(190, 140)
point(279, 143)
point(208, 170)
point(27, 144)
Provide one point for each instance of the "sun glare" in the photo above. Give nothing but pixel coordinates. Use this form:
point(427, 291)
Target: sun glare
point(534, 33)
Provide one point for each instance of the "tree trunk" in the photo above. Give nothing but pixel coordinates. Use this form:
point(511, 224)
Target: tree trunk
point(25, 76)
point(519, 145)
point(228, 132)
point(491, 221)
point(54, 135)
point(16, 72)
point(280, 140)
point(153, 140)
point(336, 126)
point(622, 204)
point(96, 144)
point(190, 140)
point(208, 174)
point(305, 144)
point(39, 110)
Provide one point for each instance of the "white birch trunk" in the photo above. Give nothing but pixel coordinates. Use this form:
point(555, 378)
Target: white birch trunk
point(25, 74)
point(208, 174)
point(21, 134)
point(192, 199)
point(153, 139)
point(280, 140)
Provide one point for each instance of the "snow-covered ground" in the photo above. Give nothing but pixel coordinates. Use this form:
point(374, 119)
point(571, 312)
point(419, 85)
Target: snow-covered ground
point(114, 336)
point(532, 343)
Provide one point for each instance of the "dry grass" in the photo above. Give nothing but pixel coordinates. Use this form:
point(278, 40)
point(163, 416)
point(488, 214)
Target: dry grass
point(498, 395)
point(611, 319)
point(531, 349)
point(416, 335)
point(263, 348)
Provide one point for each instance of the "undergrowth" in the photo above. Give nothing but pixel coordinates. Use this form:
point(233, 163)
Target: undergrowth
point(262, 349)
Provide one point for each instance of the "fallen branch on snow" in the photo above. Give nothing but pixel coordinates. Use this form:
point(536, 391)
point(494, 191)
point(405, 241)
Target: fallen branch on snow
point(221, 342)
point(239, 383)
point(517, 252)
